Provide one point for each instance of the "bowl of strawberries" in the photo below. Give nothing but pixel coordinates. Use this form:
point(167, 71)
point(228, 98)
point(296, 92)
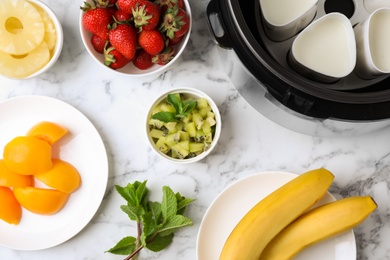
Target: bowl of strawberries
point(135, 37)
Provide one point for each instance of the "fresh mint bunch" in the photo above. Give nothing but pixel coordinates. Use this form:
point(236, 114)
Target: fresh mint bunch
point(182, 109)
point(156, 221)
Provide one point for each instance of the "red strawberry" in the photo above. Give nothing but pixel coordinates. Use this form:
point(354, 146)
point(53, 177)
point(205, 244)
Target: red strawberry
point(165, 56)
point(151, 41)
point(128, 5)
point(175, 40)
point(96, 20)
point(98, 43)
point(146, 15)
point(124, 38)
point(114, 59)
point(122, 16)
point(142, 60)
point(175, 22)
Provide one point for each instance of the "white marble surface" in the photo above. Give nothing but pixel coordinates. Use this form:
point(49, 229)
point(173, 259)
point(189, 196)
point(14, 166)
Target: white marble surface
point(249, 143)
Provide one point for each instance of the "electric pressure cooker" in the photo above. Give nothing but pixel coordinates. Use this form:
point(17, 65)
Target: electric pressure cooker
point(346, 108)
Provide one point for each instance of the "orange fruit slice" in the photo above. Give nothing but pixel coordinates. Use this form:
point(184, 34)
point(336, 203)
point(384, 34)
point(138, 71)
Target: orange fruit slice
point(63, 176)
point(41, 201)
point(11, 179)
point(10, 210)
point(27, 155)
point(48, 131)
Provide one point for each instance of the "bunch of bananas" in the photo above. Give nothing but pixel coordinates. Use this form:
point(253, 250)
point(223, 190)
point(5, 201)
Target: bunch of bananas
point(278, 227)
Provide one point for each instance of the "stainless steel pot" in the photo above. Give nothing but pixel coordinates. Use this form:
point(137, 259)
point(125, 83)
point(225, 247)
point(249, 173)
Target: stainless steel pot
point(282, 95)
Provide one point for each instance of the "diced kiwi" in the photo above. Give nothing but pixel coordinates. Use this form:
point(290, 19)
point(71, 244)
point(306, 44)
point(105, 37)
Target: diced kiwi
point(172, 139)
point(165, 107)
point(203, 111)
point(171, 127)
point(184, 136)
point(196, 147)
point(206, 127)
point(208, 138)
point(202, 103)
point(156, 133)
point(198, 120)
point(156, 123)
point(180, 150)
point(199, 137)
point(190, 128)
point(160, 144)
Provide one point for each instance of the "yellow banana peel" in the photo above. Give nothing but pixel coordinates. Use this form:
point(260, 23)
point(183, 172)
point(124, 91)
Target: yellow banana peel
point(317, 225)
point(272, 214)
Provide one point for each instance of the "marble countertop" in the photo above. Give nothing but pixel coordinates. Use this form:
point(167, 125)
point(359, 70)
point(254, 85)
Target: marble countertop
point(249, 143)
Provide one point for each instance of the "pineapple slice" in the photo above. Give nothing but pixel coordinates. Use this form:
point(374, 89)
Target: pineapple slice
point(50, 36)
point(21, 66)
point(21, 27)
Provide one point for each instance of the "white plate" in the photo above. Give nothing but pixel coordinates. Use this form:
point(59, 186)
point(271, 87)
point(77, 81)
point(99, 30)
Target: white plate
point(236, 200)
point(82, 147)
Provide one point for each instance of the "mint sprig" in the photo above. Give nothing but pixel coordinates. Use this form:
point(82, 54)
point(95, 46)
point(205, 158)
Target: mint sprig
point(182, 109)
point(156, 221)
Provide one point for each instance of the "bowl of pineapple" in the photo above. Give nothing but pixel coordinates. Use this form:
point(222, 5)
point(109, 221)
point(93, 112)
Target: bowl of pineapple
point(183, 125)
point(31, 38)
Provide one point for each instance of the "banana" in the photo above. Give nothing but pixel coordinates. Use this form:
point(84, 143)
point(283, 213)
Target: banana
point(317, 225)
point(269, 216)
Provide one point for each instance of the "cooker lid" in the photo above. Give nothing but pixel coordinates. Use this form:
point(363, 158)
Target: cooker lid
point(239, 20)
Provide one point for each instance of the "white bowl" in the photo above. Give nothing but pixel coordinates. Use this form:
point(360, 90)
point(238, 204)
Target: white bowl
point(59, 40)
point(196, 94)
point(130, 69)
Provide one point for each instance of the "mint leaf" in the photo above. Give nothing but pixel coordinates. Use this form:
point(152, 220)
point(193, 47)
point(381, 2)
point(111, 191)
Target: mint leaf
point(134, 212)
point(134, 193)
point(124, 247)
point(165, 117)
point(182, 203)
point(159, 243)
point(168, 204)
point(173, 224)
point(149, 227)
point(156, 222)
point(175, 102)
point(155, 209)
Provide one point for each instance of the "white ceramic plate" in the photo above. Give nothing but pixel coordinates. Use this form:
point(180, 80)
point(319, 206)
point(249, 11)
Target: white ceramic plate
point(236, 200)
point(82, 147)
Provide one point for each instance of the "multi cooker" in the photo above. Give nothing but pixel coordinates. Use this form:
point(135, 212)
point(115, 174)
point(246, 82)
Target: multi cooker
point(258, 68)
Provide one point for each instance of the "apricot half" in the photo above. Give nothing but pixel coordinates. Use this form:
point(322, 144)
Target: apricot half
point(10, 209)
point(41, 201)
point(63, 176)
point(27, 155)
point(48, 131)
point(10, 179)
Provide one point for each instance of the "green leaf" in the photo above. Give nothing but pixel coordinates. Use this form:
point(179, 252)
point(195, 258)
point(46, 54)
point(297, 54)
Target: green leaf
point(182, 203)
point(176, 102)
point(155, 209)
point(149, 227)
point(174, 224)
point(124, 247)
point(159, 243)
point(165, 117)
point(134, 212)
point(168, 204)
point(134, 193)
